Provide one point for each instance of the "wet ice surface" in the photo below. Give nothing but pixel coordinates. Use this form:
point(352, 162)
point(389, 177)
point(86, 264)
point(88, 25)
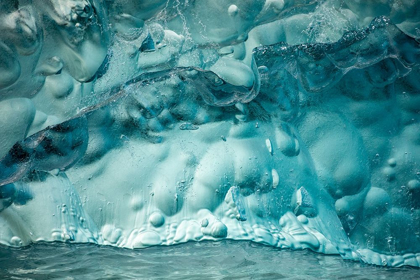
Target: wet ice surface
point(204, 260)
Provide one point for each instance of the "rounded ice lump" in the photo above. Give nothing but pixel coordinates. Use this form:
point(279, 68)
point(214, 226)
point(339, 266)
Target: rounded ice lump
point(294, 124)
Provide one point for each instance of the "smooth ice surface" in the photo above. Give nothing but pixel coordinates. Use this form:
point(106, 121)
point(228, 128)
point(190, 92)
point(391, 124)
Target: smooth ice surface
point(291, 123)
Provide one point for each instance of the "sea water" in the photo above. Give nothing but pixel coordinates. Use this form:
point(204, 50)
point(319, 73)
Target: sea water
point(200, 260)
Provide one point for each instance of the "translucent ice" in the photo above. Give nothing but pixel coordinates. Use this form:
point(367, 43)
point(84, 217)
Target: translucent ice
point(295, 124)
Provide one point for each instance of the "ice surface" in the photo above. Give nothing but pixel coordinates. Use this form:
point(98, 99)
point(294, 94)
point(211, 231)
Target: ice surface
point(294, 124)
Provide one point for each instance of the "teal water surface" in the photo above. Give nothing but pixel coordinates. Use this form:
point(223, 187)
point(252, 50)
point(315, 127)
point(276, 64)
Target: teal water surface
point(204, 260)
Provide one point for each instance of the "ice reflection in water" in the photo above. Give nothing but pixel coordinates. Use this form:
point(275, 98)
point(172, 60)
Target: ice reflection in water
point(203, 260)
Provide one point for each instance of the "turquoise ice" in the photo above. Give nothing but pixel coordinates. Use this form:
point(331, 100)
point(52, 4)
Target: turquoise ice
point(291, 123)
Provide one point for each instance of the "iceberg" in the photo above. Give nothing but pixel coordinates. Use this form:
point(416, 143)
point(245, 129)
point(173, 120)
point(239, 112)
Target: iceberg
point(291, 123)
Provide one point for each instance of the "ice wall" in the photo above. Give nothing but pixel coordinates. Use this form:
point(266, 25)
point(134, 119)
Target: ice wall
point(154, 122)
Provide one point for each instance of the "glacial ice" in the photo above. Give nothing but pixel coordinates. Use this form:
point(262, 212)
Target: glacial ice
point(292, 123)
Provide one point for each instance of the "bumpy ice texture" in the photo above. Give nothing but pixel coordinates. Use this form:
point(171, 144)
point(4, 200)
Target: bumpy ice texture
point(154, 122)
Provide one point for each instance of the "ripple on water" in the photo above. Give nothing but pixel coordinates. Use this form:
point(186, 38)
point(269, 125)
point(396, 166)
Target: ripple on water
point(203, 260)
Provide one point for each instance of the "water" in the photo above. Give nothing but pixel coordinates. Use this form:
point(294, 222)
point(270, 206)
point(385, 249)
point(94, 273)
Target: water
point(204, 260)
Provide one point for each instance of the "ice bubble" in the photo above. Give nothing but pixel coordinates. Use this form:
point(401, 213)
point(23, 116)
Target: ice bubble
point(156, 219)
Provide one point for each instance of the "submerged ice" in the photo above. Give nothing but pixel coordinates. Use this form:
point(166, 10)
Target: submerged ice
point(294, 124)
